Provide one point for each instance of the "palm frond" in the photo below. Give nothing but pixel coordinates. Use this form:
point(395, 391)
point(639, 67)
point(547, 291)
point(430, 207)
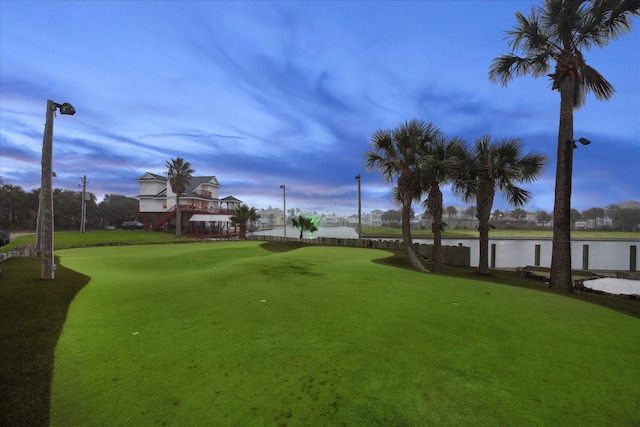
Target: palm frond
point(595, 82)
point(561, 28)
point(607, 20)
point(516, 196)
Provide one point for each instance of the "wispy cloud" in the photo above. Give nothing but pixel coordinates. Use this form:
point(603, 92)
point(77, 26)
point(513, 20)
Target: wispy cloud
point(269, 93)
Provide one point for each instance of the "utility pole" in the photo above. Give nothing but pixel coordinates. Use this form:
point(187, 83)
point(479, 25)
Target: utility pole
point(359, 209)
point(44, 243)
point(45, 213)
point(83, 211)
point(284, 198)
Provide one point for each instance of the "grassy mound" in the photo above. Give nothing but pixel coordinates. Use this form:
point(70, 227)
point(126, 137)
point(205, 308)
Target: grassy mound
point(232, 334)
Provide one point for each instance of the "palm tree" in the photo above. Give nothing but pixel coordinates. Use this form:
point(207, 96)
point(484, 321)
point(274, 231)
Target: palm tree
point(397, 154)
point(179, 175)
point(303, 224)
point(244, 214)
point(439, 166)
point(559, 32)
point(497, 165)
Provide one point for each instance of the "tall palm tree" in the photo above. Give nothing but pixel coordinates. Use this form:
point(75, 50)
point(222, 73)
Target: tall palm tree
point(497, 166)
point(179, 174)
point(397, 153)
point(439, 166)
point(244, 214)
point(303, 224)
point(559, 31)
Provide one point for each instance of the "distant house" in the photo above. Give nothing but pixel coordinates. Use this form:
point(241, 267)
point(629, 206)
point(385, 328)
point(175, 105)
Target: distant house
point(376, 218)
point(203, 212)
point(271, 217)
point(329, 221)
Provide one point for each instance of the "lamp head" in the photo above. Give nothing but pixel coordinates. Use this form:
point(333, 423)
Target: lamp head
point(358, 177)
point(282, 186)
point(583, 141)
point(67, 108)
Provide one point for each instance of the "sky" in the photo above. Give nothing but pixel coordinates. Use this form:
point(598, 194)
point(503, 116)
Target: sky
point(269, 93)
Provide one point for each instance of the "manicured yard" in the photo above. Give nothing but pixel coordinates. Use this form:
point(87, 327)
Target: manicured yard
point(229, 333)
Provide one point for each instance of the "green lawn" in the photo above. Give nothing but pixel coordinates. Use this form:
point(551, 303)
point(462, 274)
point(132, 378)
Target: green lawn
point(74, 239)
point(229, 333)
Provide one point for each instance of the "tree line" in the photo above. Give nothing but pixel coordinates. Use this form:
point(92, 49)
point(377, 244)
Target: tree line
point(609, 218)
point(19, 209)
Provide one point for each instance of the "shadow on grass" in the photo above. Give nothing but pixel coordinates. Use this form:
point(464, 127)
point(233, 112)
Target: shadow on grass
point(33, 314)
point(618, 303)
point(399, 259)
point(283, 246)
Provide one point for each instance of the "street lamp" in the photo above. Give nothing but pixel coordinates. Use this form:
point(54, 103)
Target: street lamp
point(284, 198)
point(359, 209)
point(583, 141)
point(47, 267)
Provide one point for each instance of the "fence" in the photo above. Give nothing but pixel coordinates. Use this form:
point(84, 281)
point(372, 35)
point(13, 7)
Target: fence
point(451, 255)
point(28, 250)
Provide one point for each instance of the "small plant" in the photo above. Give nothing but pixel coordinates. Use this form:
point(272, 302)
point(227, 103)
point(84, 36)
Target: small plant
point(303, 224)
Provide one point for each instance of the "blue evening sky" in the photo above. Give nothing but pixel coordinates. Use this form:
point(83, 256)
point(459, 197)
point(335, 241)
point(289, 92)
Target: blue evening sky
point(261, 94)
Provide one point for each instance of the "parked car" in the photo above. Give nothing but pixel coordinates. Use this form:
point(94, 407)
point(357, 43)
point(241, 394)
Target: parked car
point(4, 236)
point(132, 225)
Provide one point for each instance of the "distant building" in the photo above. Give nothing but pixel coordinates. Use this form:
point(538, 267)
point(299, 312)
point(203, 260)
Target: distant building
point(271, 217)
point(376, 218)
point(328, 221)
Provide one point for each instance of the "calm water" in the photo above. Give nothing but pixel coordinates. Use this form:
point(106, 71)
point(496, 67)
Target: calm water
point(602, 255)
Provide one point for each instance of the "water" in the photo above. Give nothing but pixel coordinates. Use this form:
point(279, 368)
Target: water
point(511, 253)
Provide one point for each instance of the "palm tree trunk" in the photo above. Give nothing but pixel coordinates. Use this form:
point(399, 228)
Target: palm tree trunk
point(178, 222)
point(434, 204)
point(406, 237)
point(484, 203)
point(560, 275)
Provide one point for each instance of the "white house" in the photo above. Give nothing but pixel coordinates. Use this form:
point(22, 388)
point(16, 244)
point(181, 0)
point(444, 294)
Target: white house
point(376, 218)
point(203, 212)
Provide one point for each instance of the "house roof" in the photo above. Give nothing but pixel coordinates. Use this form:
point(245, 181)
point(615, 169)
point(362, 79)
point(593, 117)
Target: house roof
point(197, 181)
point(148, 176)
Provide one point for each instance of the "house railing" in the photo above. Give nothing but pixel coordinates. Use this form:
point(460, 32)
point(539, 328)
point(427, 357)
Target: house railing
point(186, 210)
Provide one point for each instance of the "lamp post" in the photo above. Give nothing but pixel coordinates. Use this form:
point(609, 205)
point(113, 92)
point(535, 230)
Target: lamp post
point(583, 141)
point(284, 198)
point(83, 207)
point(45, 220)
point(359, 209)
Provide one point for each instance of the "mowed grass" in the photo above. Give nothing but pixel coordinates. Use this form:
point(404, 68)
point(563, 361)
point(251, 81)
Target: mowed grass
point(74, 239)
point(230, 334)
